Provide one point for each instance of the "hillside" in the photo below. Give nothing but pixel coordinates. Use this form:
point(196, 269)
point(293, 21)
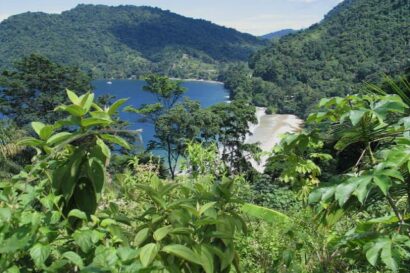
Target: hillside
point(357, 41)
point(278, 34)
point(124, 41)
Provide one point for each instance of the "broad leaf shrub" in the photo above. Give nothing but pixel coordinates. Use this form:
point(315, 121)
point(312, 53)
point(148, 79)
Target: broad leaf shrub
point(373, 129)
point(66, 213)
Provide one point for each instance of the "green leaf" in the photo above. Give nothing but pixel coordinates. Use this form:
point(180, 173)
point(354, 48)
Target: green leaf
point(362, 189)
point(5, 215)
point(59, 138)
point(84, 196)
point(39, 253)
point(30, 141)
point(182, 252)
point(127, 253)
point(96, 173)
point(37, 127)
point(117, 140)
point(74, 258)
point(74, 110)
point(162, 232)
point(104, 148)
point(77, 214)
point(73, 97)
point(148, 254)
point(383, 182)
point(263, 213)
point(387, 257)
point(88, 122)
point(87, 101)
point(86, 239)
point(115, 106)
point(206, 207)
point(141, 236)
point(356, 116)
point(344, 191)
point(207, 260)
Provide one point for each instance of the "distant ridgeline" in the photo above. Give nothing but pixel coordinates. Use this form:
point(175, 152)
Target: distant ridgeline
point(125, 41)
point(358, 41)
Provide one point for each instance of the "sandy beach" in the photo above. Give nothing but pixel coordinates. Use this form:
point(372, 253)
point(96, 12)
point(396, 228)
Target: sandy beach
point(197, 80)
point(269, 130)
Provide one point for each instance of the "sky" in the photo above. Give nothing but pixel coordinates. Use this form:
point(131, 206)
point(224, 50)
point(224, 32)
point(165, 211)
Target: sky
point(252, 16)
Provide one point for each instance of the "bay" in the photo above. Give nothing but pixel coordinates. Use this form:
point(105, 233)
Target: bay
point(207, 93)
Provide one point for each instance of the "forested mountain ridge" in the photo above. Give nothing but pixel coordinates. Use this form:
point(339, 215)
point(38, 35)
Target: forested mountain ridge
point(125, 40)
point(278, 34)
point(358, 41)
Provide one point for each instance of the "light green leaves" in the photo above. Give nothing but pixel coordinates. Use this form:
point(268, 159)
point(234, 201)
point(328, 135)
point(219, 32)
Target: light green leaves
point(59, 138)
point(74, 258)
point(385, 249)
point(148, 254)
point(141, 236)
point(116, 140)
point(359, 186)
point(264, 214)
point(182, 252)
point(114, 107)
point(39, 253)
point(42, 130)
point(162, 232)
point(86, 239)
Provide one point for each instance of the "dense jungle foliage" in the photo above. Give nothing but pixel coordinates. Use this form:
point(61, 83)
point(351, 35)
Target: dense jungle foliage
point(75, 195)
point(358, 41)
point(125, 41)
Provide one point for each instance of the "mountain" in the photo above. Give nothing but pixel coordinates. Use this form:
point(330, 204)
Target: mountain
point(125, 40)
point(358, 41)
point(278, 34)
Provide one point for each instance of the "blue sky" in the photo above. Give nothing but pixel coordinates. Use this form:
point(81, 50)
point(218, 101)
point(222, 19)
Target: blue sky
point(252, 16)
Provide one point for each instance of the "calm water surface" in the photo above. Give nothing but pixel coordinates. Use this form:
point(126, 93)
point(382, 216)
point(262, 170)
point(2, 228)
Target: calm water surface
point(205, 92)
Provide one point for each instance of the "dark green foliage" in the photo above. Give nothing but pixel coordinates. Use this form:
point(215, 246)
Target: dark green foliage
point(124, 41)
point(35, 86)
point(357, 41)
point(233, 127)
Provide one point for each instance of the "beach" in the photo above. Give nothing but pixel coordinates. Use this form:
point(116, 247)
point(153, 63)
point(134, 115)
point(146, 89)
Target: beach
point(268, 132)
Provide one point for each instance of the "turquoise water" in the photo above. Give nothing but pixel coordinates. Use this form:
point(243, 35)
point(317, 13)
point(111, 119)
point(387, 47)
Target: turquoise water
point(205, 92)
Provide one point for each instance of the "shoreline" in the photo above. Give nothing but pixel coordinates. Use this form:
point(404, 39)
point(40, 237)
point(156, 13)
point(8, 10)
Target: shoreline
point(174, 79)
point(197, 80)
point(269, 131)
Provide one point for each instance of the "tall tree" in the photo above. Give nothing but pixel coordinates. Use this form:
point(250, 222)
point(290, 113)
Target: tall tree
point(175, 122)
point(234, 120)
point(35, 86)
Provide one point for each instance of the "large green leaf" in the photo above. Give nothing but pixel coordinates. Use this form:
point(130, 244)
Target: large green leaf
point(97, 174)
point(114, 107)
point(383, 182)
point(116, 140)
point(37, 127)
point(344, 191)
point(73, 97)
point(39, 253)
point(148, 254)
point(183, 252)
point(85, 196)
point(141, 236)
point(162, 232)
point(59, 138)
point(263, 213)
point(74, 258)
